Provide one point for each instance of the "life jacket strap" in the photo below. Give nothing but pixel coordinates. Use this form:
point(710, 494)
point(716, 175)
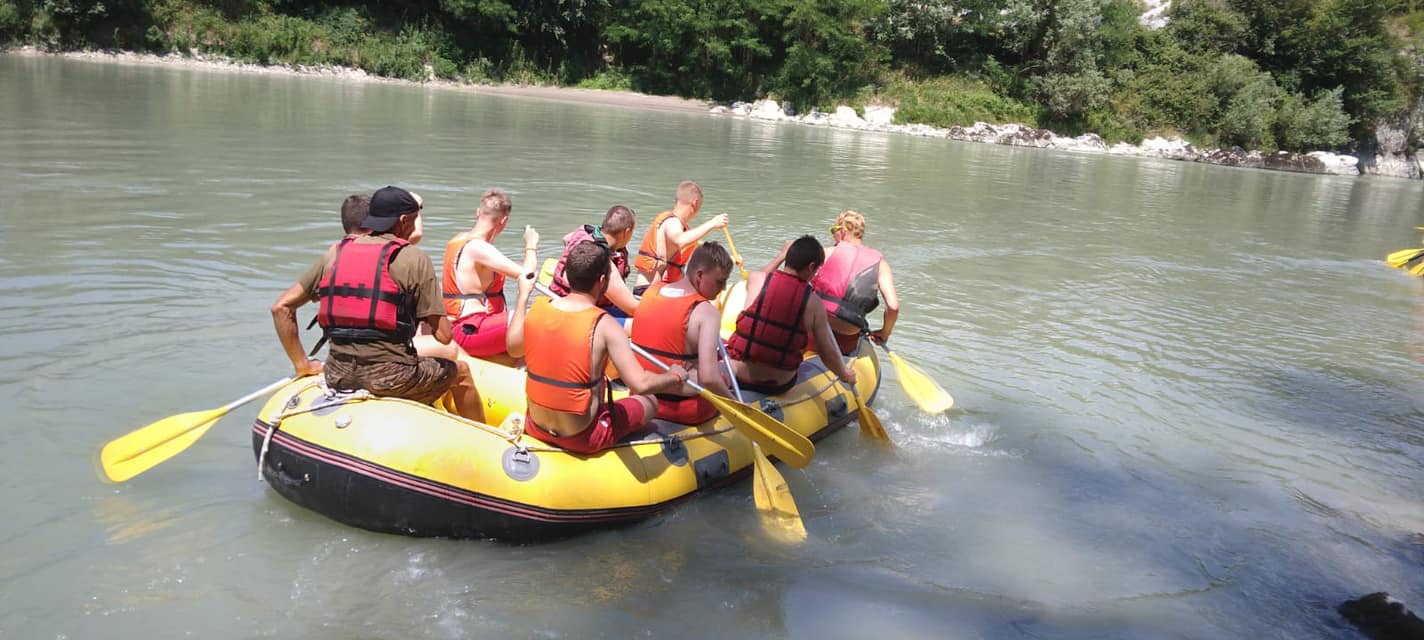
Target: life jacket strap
point(563, 383)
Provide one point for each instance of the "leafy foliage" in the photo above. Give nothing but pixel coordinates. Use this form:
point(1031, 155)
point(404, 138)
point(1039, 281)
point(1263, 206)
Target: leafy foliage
point(1293, 74)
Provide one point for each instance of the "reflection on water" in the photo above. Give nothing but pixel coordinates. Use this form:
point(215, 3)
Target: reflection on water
point(1188, 402)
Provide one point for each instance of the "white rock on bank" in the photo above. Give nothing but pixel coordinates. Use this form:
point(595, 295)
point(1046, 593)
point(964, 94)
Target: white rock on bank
point(1173, 149)
point(878, 116)
point(767, 110)
point(1086, 143)
point(847, 117)
point(881, 118)
point(1337, 165)
point(815, 118)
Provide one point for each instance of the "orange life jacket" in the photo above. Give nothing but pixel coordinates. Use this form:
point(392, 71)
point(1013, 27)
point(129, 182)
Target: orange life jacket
point(770, 331)
point(648, 252)
point(558, 350)
point(454, 297)
point(848, 283)
point(660, 327)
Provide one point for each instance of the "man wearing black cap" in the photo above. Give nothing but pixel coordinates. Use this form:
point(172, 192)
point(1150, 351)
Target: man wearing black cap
point(373, 290)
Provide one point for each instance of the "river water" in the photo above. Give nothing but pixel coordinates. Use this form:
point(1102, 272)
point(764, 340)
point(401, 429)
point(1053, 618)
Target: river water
point(1189, 401)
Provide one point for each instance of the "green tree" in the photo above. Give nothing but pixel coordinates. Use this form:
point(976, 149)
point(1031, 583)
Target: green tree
point(1248, 98)
point(827, 52)
point(1321, 123)
point(1207, 26)
point(705, 48)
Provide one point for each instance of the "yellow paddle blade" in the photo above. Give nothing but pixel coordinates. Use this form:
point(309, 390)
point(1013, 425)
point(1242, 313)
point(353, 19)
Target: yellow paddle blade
point(870, 426)
point(138, 451)
point(141, 450)
point(780, 517)
point(772, 434)
point(731, 303)
point(1417, 269)
point(923, 390)
point(546, 271)
point(1399, 258)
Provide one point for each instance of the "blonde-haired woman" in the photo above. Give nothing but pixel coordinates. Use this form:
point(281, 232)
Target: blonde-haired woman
point(851, 283)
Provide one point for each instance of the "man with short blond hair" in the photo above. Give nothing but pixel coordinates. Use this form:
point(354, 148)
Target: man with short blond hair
point(678, 324)
point(472, 279)
point(670, 241)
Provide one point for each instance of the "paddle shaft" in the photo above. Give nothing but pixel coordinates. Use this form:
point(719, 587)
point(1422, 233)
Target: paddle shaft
point(257, 394)
point(731, 375)
point(665, 367)
point(735, 255)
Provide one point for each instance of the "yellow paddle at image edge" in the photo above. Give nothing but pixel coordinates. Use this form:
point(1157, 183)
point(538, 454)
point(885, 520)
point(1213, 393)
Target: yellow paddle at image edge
point(144, 448)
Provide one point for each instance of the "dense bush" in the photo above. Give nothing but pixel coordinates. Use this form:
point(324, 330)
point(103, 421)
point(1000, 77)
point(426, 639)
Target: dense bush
point(948, 100)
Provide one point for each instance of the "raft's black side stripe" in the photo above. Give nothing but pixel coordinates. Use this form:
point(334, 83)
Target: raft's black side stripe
point(456, 494)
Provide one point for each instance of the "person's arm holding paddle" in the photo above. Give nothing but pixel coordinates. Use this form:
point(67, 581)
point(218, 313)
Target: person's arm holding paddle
point(487, 256)
point(680, 239)
point(640, 381)
point(284, 318)
point(886, 282)
point(706, 323)
point(284, 315)
point(820, 329)
point(514, 334)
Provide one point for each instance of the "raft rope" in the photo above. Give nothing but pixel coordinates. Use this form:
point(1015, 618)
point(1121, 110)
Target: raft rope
point(514, 434)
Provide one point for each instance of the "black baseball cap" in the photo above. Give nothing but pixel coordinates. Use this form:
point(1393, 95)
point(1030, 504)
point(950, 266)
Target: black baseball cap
point(388, 204)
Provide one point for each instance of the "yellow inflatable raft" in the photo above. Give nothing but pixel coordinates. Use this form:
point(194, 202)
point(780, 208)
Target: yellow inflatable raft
point(402, 467)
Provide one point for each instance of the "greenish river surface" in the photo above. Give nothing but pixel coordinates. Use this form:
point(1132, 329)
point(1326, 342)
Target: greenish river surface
point(1189, 398)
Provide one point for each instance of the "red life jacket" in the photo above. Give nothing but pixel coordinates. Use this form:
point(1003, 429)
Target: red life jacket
point(660, 327)
point(771, 332)
point(359, 299)
point(587, 233)
point(454, 297)
point(648, 252)
point(848, 283)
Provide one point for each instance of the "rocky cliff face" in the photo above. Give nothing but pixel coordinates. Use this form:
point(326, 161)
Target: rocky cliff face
point(1154, 13)
point(1390, 154)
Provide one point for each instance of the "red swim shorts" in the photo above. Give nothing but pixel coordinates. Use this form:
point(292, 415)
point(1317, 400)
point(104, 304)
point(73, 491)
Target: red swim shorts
point(848, 342)
point(685, 410)
point(482, 335)
point(612, 423)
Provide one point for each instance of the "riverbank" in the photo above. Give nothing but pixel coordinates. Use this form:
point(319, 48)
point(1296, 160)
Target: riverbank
point(882, 118)
point(873, 118)
point(628, 99)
